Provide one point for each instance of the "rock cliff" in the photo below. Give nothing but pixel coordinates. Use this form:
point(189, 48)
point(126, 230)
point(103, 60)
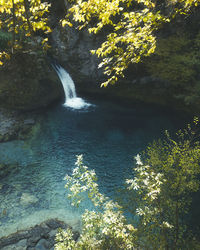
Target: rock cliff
point(28, 82)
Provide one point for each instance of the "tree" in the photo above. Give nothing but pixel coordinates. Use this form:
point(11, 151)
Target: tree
point(163, 185)
point(23, 19)
point(132, 26)
point(160, 195)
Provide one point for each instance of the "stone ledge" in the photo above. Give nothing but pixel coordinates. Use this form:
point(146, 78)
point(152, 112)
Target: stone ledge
point(38, 237)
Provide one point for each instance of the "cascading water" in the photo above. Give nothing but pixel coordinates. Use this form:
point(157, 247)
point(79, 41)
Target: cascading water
point(71, 99)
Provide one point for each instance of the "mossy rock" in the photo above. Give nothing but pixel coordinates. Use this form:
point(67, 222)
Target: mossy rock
point(27, 82)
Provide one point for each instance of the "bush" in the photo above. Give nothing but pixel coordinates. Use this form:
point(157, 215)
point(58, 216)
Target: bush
point(160, 194)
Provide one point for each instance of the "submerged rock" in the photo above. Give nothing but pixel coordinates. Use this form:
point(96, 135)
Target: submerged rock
point(5, 170)
point(42, 245)
point(21, 245)
point(15, 125)
point(7, 127)
point(39, 237)
point(27, 199)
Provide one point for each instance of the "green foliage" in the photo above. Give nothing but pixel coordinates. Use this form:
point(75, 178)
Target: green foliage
point(161, 190)
point(164, 184)
point(65, 240)
point(23, 18)
point(132, 26)
point(176, 60)
point(5, 37)
point(104, 228)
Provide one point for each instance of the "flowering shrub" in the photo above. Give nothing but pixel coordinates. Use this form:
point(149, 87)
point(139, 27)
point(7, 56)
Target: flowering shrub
point(161, 190)
point(104, 228)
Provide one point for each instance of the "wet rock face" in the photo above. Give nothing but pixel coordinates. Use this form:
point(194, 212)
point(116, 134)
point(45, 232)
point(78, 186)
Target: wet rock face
point(27, 82)
point(72, 50)
point(39, 237)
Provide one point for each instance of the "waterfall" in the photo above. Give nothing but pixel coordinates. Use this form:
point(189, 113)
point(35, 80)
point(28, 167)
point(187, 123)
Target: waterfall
point(71, 99)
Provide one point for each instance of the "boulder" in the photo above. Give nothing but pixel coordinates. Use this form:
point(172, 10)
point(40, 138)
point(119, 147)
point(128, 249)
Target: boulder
point(40, 237)
point(21, 245)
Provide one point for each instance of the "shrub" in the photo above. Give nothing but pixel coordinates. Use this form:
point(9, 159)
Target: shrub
point(160, 194)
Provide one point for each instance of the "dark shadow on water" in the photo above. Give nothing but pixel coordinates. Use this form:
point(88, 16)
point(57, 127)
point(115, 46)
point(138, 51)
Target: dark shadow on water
point(108, 134)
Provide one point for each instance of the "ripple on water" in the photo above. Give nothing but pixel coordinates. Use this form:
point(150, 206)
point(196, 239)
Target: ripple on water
point(108, 135)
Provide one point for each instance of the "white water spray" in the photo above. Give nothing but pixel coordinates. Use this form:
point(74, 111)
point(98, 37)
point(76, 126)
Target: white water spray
point(71, 99)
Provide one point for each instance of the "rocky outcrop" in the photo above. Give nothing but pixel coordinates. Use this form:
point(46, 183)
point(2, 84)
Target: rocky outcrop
point(27, 82)
point(14, 125)
point(36, 238)
point(72, 48)
point(152, 84)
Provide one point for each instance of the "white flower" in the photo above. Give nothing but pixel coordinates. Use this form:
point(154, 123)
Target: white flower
point(133, 184)
point(79, 160)
point(166, 224)
point(138, 160)
point(146, 182)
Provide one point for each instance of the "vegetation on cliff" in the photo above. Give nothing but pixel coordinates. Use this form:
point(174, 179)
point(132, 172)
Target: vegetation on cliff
point(131, 28)
point(26, 80)
point(176, 60)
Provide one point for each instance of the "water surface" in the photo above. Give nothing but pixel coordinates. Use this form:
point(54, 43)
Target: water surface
point(108, 134)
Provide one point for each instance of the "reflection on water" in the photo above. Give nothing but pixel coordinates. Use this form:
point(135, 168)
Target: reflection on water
point(108, 135)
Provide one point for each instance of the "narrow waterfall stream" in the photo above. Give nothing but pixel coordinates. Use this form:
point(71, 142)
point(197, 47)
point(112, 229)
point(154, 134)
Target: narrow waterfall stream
point(71, 99)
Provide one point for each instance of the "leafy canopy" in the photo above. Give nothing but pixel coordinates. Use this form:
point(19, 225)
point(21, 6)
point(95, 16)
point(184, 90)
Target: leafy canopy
point(131, 24)
point(22, 18)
